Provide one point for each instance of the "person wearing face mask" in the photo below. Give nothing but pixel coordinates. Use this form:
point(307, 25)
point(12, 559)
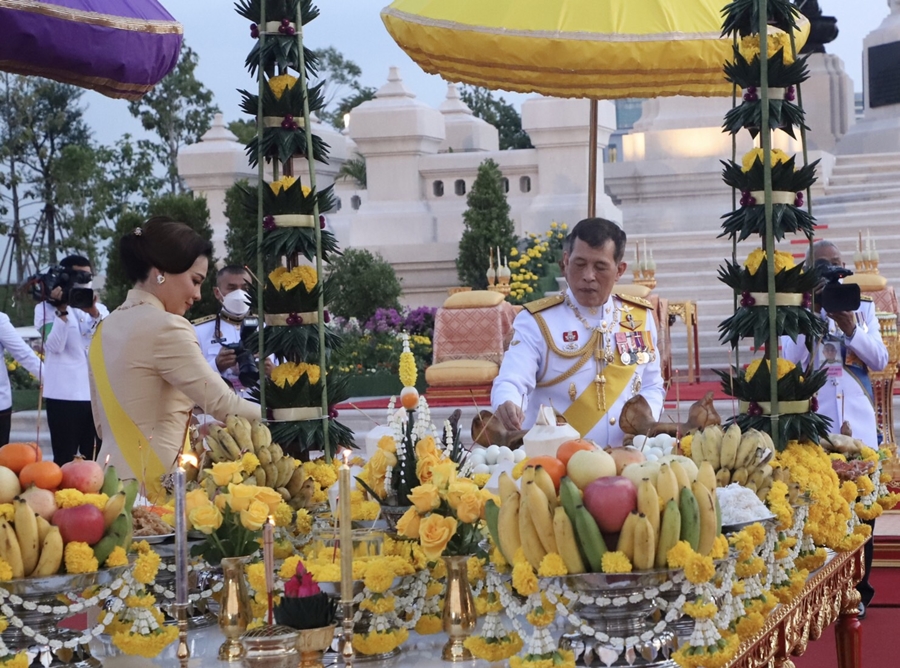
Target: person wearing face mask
point(584, 352)
point(216, 333)
point(147, 369)
point(67, 332)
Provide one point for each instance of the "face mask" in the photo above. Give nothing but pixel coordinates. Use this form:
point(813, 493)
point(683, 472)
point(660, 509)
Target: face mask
point(236, 304)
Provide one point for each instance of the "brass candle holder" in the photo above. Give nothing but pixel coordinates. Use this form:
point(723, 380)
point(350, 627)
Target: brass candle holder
point(347, 651)
point(183, 653)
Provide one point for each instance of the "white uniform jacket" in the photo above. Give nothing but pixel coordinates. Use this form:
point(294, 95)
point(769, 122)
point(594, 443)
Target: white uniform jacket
point(530, 362)
point(66, 349)
point(844, 397)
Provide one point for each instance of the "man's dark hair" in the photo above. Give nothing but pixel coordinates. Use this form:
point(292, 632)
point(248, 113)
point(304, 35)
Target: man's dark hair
point(595, 232)
point(230, 270)
point(74, 261)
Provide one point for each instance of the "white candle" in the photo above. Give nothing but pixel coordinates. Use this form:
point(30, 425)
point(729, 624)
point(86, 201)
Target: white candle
point(346, 533)
point(181, 551)
point(269, 560)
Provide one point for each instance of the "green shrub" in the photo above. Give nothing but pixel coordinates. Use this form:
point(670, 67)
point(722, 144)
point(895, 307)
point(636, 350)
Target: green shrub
point(364, 283)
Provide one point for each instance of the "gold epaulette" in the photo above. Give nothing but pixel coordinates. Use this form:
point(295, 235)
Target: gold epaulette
point(866, 298)
point(631, 299)
point(200, 321)
point(539, 305)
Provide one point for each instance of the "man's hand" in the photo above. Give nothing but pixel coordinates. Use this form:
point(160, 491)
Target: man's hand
point(511, 415)
point(269, 365)
point(846, 320)
point(56, 294)
point(226, 359)
point(92, 310)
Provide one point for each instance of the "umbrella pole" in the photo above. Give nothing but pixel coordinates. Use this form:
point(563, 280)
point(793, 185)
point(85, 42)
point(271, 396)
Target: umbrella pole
point(592, 162)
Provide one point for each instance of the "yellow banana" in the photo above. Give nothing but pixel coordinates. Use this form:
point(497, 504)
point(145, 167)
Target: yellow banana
point(564, 533)
point(644, 544)
point(723, 477)
point(271, 475)
point(740, 476)
point(543, 480)
point(698, 454)
point(531, 541)
point(27, 534)
point(712, 445)
point(10, 550)
point(527, 476)
point(731, 439)
point(707, 504)
point(294, 484)
point(680, 475)
point(508, 526)
point(667, 484)
point(241, 432)
point(541, 516)
point(51, 554)
point(506, 486)
point(669, 533)
point(626, 536)
point(229, 444)
point(260, 475)
point(276, 452)
point(761, 475)
point(707, 475)
point(216, 451)
point(751, 486)
point(285, 468)
point(746, 454)
point(264, 456)
point(114, 506)
point(648, 503)
point(43, 528)
point(286, 495)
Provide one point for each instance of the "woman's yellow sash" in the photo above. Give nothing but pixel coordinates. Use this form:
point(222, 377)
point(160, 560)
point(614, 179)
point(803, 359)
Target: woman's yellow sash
point(134, 446)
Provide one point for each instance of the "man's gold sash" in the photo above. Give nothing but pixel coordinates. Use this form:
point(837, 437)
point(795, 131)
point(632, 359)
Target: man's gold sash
point(135, 448)
point(585, 412)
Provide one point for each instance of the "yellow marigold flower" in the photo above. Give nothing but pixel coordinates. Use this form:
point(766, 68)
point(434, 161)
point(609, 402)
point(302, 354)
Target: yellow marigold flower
point(475, 568)
point(283, 183)
point(150, 645)
point(749, 625)
point(138, 601)
point(284, 514)
point(481, 479)
point(519, 468)
point(494, 650)
point(434, 588)
point(256, 576)
point(291, 372)
point(679, 555)
point(699, 569)
point(289, 567)
point(719, 548)
point(699, 610)
point(686, 444)
point(98, 500)
point(524, 579)
point(783, 261)
point(146, 567)
point(378, 605)
point(429, 624)
point(552, 565)
point(543, 615)
point(6, 573)
point(117, 557)
point(69, 498)
point(757, 533)
point(379, 577)
point(379, 642)
point(756, 154)
point(615, 562)
point(283, 548)
point(79, 558)
point(498, 559)
point(784, 368)
point(249, 462)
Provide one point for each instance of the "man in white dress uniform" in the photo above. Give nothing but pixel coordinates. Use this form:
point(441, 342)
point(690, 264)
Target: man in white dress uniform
point(585, 352)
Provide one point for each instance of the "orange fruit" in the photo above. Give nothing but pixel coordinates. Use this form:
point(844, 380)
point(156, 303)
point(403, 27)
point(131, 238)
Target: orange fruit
point(46, 475)
point(566, 450)
point(551, 465)
point(16, 456)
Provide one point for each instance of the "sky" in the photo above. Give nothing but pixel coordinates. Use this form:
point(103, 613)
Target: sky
point(222, 39)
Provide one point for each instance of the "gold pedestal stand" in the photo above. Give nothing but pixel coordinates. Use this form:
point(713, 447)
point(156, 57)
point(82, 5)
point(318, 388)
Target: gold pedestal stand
point(646, 277)
point(883, 388)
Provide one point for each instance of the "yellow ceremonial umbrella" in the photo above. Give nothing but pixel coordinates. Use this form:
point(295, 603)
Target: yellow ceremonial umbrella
point(599, 49)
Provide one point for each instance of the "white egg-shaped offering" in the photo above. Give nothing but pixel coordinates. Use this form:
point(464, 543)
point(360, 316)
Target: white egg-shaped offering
point(481, 468)
point(518, 455)
point(505, 455)
point(491, 453)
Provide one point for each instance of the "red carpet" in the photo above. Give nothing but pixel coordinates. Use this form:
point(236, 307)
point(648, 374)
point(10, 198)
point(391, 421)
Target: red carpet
point(879, 631)
point(886, 582)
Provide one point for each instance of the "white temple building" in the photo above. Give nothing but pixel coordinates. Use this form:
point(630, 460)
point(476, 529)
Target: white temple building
point(665, 185)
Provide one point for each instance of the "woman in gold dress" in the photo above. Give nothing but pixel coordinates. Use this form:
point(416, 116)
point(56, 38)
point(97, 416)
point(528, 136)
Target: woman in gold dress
point(147, 369)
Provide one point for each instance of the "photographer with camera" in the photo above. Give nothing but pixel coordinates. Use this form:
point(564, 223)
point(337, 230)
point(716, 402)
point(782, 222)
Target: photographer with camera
point(67, 318)
point(850, 349)
point(221, 335)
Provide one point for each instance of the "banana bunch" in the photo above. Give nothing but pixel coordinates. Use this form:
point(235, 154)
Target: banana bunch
point(736, 457)
point(30, 545)
point(117, 516)
point(276, 470)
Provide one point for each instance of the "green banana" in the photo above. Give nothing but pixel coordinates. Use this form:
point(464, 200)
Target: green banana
point(110, 481)
point(569, 496)
point(690, 518)
point(669, 533)
point(718, 513)
point(590, 538)
point(118, 534)
point(492, 517)
point(132, 487)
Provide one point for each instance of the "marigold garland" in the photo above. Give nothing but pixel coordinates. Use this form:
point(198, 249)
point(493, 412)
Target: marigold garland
point(688, 656)
point(700, 610)
point(523, 577)
point(749, 625)
point(429, 625)
point(146, 567)
point(615, 562)
point(494, 649)
point(149, 646)
point(552, 565)
point(6, 572)
point(561, 658)
point(79, 558)
point(379, 642)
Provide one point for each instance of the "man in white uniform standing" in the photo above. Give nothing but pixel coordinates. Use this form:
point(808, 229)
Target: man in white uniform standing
point(585, 352)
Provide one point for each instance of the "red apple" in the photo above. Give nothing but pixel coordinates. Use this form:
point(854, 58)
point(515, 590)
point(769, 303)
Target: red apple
point(609, 500)
point(624, 456)
point(84, 475)
point(41, 501)
point(81, 523)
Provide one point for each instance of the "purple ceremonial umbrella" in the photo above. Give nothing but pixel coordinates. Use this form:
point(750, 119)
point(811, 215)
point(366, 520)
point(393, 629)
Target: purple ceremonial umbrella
point(121, 48)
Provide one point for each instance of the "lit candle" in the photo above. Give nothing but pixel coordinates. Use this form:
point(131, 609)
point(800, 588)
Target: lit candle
point(106, 463)
point(269, 561)
point(181, 551)
point(346, 533)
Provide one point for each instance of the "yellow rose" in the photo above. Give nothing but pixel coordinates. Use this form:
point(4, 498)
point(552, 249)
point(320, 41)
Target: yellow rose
point(443, 473)
point(242, 496)
point(425, 465)
point(408, 525)
point(470, 507)
point(195, 499)
point(426, 447)
point(457, 489)
point(226, 472)
point(255, 516)
point(269, 497)
point(222, 500)
point(378, 464)
point(387, 443)
point(425, 498)
point(435, 531)
point(206, 518)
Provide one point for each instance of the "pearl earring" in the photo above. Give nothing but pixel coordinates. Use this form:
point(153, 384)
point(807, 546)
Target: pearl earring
point(160, 279)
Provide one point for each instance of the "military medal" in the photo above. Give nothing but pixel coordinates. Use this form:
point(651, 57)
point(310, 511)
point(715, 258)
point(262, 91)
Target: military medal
point(624, 346)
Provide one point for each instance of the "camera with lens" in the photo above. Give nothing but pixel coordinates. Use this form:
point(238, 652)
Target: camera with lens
point(834, 295)
point(75, 286)
point(248, 369)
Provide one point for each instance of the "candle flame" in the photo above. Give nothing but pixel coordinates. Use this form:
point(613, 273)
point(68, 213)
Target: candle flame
point(271, 520)
point(346, 455)
point(186, 459)
point(106, 463)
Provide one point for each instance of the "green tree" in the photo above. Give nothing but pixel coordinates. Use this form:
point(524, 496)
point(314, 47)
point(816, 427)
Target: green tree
point(365, 283)
point(241, 230)
point(487, 226)
point(178, 110)
point(343, 91)
point(499, 113)
point(184, 208)
point(243, 129)
point(354, 170)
